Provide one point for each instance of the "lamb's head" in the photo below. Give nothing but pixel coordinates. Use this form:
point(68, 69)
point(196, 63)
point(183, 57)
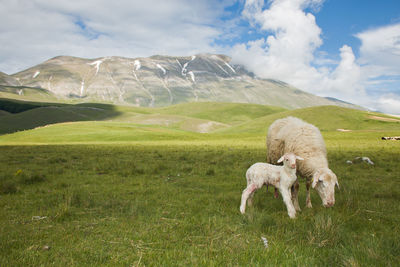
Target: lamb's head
point(324, 181)
point(289, 160)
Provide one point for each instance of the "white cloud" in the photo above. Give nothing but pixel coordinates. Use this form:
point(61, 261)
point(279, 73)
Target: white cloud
point(380, 60)
point(292, 40)
point(345, 79)
point(380, 50)
point(389, 103)
point(32, 31)
point(288, 52)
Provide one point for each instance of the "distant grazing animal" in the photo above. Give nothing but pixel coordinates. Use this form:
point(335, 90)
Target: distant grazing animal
point(282, 177)
point(305, 140)
point(390, 137)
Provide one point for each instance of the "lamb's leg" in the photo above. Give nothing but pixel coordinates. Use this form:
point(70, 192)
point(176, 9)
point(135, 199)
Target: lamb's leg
point(288, 202)
point(308, 199)
point(245, 195)
point(250, 199)
point(276, 194)
point(295, 195)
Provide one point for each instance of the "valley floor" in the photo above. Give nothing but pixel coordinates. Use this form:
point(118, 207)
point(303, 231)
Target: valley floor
point(163, 204)
point(123, 186)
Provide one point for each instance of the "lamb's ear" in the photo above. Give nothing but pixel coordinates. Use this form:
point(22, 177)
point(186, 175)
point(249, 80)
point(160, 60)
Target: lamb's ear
point(337, 185)
point(299, 158)
point(281, 159)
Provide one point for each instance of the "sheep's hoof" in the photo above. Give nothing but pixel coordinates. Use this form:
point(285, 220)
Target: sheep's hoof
point(242, 210)
point(297, 207)
point(309, 205)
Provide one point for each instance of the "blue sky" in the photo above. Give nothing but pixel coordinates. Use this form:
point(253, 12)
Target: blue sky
point(344, 49)
point(341, 19)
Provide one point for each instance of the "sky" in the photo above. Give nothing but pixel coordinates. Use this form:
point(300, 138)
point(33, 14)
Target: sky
point(347, 49)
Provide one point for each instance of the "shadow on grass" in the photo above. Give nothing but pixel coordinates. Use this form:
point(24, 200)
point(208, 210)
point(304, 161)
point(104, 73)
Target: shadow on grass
point(29, 115)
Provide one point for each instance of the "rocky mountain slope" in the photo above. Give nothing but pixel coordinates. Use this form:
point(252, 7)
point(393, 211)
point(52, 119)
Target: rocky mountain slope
point(154, 81)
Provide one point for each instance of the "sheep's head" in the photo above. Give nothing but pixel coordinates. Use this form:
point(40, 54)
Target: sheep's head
point(324, 181)
point(289, 160)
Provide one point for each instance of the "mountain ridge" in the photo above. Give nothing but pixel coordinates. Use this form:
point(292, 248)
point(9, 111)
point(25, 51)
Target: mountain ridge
point(155, 81)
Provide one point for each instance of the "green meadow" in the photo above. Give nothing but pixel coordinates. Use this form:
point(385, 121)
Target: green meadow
point(110, 185)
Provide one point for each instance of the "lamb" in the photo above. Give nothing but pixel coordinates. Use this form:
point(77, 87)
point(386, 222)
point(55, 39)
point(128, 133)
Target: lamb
point(282, 177)
point(305, 140)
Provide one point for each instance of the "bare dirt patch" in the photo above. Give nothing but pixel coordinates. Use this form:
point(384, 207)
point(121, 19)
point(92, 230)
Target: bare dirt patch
point(210, 126)
point(383, 118)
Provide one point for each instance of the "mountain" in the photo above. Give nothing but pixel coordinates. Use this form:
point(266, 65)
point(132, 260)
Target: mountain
point(7, 79)
point(153, 82)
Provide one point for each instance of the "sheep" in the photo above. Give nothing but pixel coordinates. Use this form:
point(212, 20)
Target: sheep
point(305, 140)
point(282, 177)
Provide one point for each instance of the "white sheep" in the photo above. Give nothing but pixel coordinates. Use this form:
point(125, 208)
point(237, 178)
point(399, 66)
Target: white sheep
point(305, 140)
point(282, 177)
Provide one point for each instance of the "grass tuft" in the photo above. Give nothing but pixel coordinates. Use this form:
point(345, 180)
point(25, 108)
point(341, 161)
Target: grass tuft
point(210, 172)
point(31, 179)
point(8, 187)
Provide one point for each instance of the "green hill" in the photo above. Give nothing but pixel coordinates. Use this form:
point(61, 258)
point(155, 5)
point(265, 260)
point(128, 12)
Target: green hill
point(28, 116)
point(4, 113)
point(326, 118)
point(230, 113)
point(95, 132)
point(195, 117)
point(199, 121)
point(26, 93)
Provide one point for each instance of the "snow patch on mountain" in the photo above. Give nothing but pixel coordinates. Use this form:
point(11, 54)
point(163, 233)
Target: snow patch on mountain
point(82, 87)
point(219, 66)
point(184, 69)
point(180, 65)
point(229, 66)
point(192, 76)
point(96, 64)
point(161, 68)
point(35, 74)
point(137, 64)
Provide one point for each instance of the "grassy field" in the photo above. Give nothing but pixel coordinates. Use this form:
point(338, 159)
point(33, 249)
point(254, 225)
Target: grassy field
point(118, 193)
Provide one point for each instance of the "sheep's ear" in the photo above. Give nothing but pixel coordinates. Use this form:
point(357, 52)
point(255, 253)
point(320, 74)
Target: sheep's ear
point(337, 185)
point(314, 182)
point(315, 179)
point(281, 159)
point(299, 158)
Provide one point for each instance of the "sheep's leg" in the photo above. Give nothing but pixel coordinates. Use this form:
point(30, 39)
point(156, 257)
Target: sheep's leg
point(276, 194)
point(245, 195)
point(308, 199)
point(295, 195)
point(288, 202)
